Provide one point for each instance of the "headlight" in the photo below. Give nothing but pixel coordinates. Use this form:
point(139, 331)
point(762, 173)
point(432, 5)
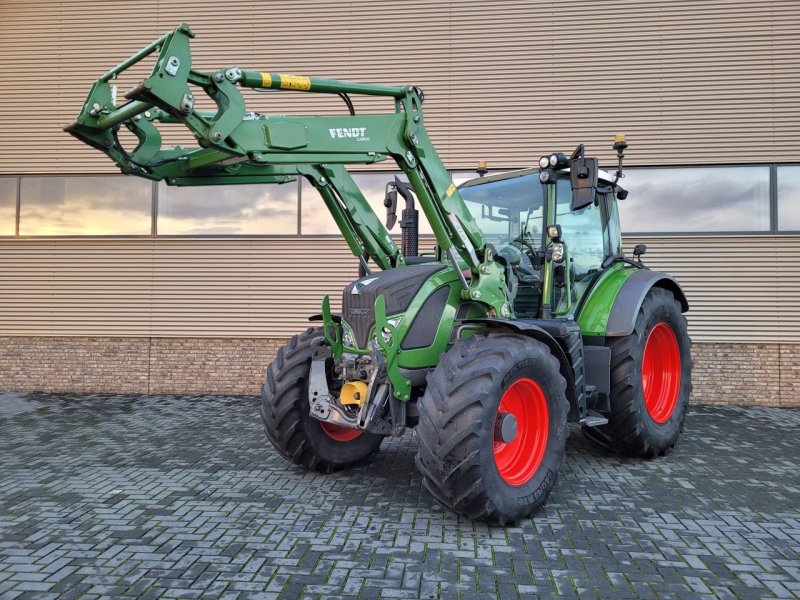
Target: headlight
point(544, 162)
point(547, 176)
point(347, 335)
point(557, 251)
point(557, 160)
point(386, 332)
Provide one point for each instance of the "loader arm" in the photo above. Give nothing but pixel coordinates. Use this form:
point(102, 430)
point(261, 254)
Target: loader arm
point(236, 146)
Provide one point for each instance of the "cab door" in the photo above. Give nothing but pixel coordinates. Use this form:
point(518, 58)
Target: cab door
point(588, 239)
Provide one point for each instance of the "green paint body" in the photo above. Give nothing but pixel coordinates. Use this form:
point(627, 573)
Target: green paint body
point(234, 146)
point(594, 312)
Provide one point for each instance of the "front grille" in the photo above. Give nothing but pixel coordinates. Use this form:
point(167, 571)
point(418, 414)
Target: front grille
point(398, 286)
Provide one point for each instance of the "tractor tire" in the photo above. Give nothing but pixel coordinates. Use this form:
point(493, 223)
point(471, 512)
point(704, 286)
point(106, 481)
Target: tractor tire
point(464, 462)
point(651, 381)
point(299, 437)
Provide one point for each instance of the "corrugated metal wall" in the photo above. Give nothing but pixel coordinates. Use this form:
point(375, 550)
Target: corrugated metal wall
point(688, 81)
point(741, 289)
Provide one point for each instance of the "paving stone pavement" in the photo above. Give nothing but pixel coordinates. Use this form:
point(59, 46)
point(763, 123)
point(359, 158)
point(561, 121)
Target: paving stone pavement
point(181, 497)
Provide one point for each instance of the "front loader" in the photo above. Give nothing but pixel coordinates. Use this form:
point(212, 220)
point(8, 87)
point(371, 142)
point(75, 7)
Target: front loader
point(526, 316)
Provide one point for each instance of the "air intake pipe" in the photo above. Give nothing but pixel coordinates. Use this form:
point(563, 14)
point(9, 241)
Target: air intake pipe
point(409, 224)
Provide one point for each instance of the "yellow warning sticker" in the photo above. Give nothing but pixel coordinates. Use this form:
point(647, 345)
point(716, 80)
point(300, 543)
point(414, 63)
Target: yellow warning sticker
point(295, 82)
point(266, 80)
point(451, 189)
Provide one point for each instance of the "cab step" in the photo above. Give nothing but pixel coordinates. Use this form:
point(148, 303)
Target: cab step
point(593, 419)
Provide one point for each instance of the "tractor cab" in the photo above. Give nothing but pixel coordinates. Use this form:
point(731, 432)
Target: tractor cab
point(511, 211)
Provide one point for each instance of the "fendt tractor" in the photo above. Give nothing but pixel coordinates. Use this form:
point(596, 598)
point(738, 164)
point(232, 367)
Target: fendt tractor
point(525, 317)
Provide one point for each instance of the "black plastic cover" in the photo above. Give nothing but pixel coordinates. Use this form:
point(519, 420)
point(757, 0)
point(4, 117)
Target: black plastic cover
point(583, 173)
point(399, 286)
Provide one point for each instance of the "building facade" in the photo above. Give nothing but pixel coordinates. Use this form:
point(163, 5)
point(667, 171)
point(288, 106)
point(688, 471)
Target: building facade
point(116, 284)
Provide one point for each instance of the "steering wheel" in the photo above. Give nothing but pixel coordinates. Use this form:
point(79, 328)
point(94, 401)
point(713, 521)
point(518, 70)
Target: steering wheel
point(533, 254)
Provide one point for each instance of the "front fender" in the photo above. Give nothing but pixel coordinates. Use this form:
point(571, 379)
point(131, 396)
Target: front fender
point(526, 327)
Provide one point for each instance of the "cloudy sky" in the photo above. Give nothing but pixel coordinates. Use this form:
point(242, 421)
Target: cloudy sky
point(228, 210)
point(317, 220)
point(696, 199)
point(8, 205)
point(114, 205)
point(688, 199)
point(789, 198)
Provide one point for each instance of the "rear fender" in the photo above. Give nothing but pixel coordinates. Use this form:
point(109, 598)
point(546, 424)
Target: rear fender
point(611, 307)
point(622, 318)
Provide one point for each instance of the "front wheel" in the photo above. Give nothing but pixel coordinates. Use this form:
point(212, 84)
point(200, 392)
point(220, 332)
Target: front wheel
point(492, 427)
point(651, 380)
point(299, 437)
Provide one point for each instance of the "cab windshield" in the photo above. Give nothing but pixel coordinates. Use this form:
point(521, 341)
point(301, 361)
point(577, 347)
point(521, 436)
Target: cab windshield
point(509, 213)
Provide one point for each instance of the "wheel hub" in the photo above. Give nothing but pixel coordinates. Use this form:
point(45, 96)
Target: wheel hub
point(339, 433)
point(661, 373)
point(505, 428)
point(521, 429)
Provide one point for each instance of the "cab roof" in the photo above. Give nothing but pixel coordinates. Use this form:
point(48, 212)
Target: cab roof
point(602, 175)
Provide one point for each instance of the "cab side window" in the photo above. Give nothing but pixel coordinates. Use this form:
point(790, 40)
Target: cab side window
point(584, 233)
point(611, 229)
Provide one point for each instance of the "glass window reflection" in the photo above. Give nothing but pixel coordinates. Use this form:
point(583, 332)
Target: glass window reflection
point(316, 219)
point(696, 199)
point(505, 209)
point(789, 198)
point(258, 209)
point(8, 205)
point(314, 216)
point(114, 205)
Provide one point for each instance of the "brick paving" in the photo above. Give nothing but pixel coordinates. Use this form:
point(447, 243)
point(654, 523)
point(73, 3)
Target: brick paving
point(181, 497)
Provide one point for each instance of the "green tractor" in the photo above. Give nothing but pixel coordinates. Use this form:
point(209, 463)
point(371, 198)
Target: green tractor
point(525, 317)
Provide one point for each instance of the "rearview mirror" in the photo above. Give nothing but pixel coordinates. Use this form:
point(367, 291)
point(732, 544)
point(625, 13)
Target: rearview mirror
point(583, 173)
point(390, 202)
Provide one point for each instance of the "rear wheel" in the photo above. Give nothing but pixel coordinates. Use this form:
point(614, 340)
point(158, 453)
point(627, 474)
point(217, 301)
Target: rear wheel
point(651, 373)
point(492, 427)
point(298, 436)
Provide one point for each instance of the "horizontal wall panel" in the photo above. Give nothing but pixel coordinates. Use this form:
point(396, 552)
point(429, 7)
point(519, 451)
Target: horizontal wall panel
point(689, 82)
point(740, 288)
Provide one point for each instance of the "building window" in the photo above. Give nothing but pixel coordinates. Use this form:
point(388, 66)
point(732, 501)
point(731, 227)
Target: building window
point(674, 200)
point(696, 199)
point(114, 205)
point(268, 209)
point(788, 198)
point(8, 205)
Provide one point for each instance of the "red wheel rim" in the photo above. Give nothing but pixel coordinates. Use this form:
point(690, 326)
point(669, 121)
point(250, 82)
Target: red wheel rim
point(661, 373)
point(519, 459)
point(339, 433)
